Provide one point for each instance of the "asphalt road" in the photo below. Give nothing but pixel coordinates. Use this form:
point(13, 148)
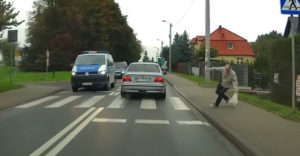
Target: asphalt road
point(102, 123)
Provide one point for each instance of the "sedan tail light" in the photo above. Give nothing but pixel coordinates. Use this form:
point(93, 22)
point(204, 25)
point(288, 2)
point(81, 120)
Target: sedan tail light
point(126, 79)
point(159, 79)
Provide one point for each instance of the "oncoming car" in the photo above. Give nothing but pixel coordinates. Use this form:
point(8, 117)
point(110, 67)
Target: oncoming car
point(120, 69)
point(93, 69)
point(143, 78)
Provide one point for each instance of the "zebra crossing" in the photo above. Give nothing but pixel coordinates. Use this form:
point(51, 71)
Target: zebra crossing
point(83, 101)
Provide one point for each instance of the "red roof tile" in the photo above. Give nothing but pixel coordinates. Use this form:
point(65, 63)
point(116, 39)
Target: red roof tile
point(220, 39)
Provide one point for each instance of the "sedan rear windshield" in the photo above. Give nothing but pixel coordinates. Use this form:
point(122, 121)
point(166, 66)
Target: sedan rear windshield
point(143, 68)
point(90, 60)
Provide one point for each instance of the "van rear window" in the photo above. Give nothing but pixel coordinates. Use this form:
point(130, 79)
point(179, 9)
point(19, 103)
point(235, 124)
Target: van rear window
point(90, 60)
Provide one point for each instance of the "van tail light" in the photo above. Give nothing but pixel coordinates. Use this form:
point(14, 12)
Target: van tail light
point(126, 79)
point(159, 79)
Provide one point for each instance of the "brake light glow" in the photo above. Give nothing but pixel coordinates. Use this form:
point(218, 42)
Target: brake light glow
point(126, 79)
point(159, 79)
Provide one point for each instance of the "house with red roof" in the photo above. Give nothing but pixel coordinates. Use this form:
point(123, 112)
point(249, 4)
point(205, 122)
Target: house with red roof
point(230, 46)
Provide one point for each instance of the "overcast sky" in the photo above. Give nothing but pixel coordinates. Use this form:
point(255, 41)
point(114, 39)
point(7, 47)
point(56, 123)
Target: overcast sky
point(247, 18)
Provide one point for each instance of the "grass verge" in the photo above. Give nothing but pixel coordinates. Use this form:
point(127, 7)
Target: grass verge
point(19, 77)
point(281, 110)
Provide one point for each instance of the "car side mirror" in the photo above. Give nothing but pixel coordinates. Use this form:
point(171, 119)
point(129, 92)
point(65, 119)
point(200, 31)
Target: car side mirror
point(71, 65)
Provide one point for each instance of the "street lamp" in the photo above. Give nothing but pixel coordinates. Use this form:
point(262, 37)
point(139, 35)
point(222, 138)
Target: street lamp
point(157, 53)
point(170, 46)
point(162, 45)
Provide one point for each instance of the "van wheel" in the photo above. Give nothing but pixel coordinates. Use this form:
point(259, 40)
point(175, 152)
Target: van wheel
point(113, 84)
point(106, 87)
point(75, 89)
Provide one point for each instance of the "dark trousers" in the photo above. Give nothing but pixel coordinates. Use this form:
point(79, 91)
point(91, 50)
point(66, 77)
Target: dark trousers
point(221, 94)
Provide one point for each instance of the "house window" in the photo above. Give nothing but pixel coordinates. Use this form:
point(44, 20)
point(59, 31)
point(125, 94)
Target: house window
point(230, 45)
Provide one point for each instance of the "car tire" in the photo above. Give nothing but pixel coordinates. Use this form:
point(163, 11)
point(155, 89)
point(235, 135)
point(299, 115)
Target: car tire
point(74, 89)
point(123, 94)
point(106, 87)
point(162, 96)
point(113, 84)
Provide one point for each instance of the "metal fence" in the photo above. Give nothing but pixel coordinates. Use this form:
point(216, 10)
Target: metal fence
point(241, 70)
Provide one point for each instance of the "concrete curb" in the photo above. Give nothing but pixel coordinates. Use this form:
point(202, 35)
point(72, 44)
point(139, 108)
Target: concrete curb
point(237, 141)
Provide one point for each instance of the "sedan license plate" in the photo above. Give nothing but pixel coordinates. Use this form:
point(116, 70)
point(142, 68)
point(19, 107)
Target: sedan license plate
point(143, 80)
point(87, 83)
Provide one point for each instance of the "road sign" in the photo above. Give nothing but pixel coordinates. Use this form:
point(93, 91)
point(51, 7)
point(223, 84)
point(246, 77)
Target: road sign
point(12, 36)
point(298, 86)
point(290, 6)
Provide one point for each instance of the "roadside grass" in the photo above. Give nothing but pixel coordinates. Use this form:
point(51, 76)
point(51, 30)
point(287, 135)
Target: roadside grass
point(19, 77)
point(281, 110)
point(198, 80)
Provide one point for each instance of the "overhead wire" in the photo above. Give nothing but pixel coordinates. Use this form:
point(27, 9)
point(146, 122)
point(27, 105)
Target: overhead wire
point(185, 13)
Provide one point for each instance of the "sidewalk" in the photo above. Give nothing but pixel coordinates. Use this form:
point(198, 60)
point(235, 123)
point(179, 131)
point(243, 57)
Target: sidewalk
point(253, 130)
point(28, 93)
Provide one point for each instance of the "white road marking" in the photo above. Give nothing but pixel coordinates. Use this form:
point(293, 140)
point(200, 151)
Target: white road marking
point(63, 102)
point(118, 103)
point(193, 122)
point(50, 142)
point(112, 93)
point(109, 120)
point(148, 104)
point(37, 102)
point(178, 104)
point(145, 121)
point(117, 93)
point(73, 134)
point(90, 102)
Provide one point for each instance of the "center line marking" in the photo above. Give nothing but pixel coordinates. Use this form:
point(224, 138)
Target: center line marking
point(148, 104)
point(50, 142)
point(108, 120)
point(145, 121)
point(73, 134)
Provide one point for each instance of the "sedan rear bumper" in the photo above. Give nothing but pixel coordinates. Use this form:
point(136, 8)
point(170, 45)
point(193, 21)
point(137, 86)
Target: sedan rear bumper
point(142, 89)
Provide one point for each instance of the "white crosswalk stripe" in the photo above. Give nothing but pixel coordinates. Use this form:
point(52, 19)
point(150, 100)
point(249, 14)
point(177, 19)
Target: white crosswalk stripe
point(37, 102)
point(63, 102)
point(108, 120)
point(90, 102)
point(119, 102)
point(146, 121)
point(117, 93)
point(178, 104)
point(148, 104)
point(112, 93)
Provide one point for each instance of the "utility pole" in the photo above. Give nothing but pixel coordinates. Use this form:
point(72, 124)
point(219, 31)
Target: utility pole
point(207, 40)
point(170, 44)
point(293, 62)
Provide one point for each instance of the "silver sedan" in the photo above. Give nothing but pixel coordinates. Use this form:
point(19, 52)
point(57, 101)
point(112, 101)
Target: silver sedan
point(143, 78)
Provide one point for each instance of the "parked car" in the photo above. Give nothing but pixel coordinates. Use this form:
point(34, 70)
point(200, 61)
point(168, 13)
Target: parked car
point(120, 69)
point(93, 69)
point(143, 78)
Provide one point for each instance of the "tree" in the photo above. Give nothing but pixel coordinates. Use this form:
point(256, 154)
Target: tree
point(7, 16)
point(6, 48)
point(146, 58)
point(181, 49)
point(66, 28)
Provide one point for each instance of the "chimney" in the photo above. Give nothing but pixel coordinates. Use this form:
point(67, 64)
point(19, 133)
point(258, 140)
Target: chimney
point(220, 26)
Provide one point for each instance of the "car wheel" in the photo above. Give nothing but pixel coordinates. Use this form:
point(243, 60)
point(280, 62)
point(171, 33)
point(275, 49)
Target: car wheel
point(113, 84)
point(106, 87)
point(123, 94)
point(75, 89)
point(162, 96)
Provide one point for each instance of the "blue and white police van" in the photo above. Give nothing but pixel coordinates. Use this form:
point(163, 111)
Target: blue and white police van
point(93, 70)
